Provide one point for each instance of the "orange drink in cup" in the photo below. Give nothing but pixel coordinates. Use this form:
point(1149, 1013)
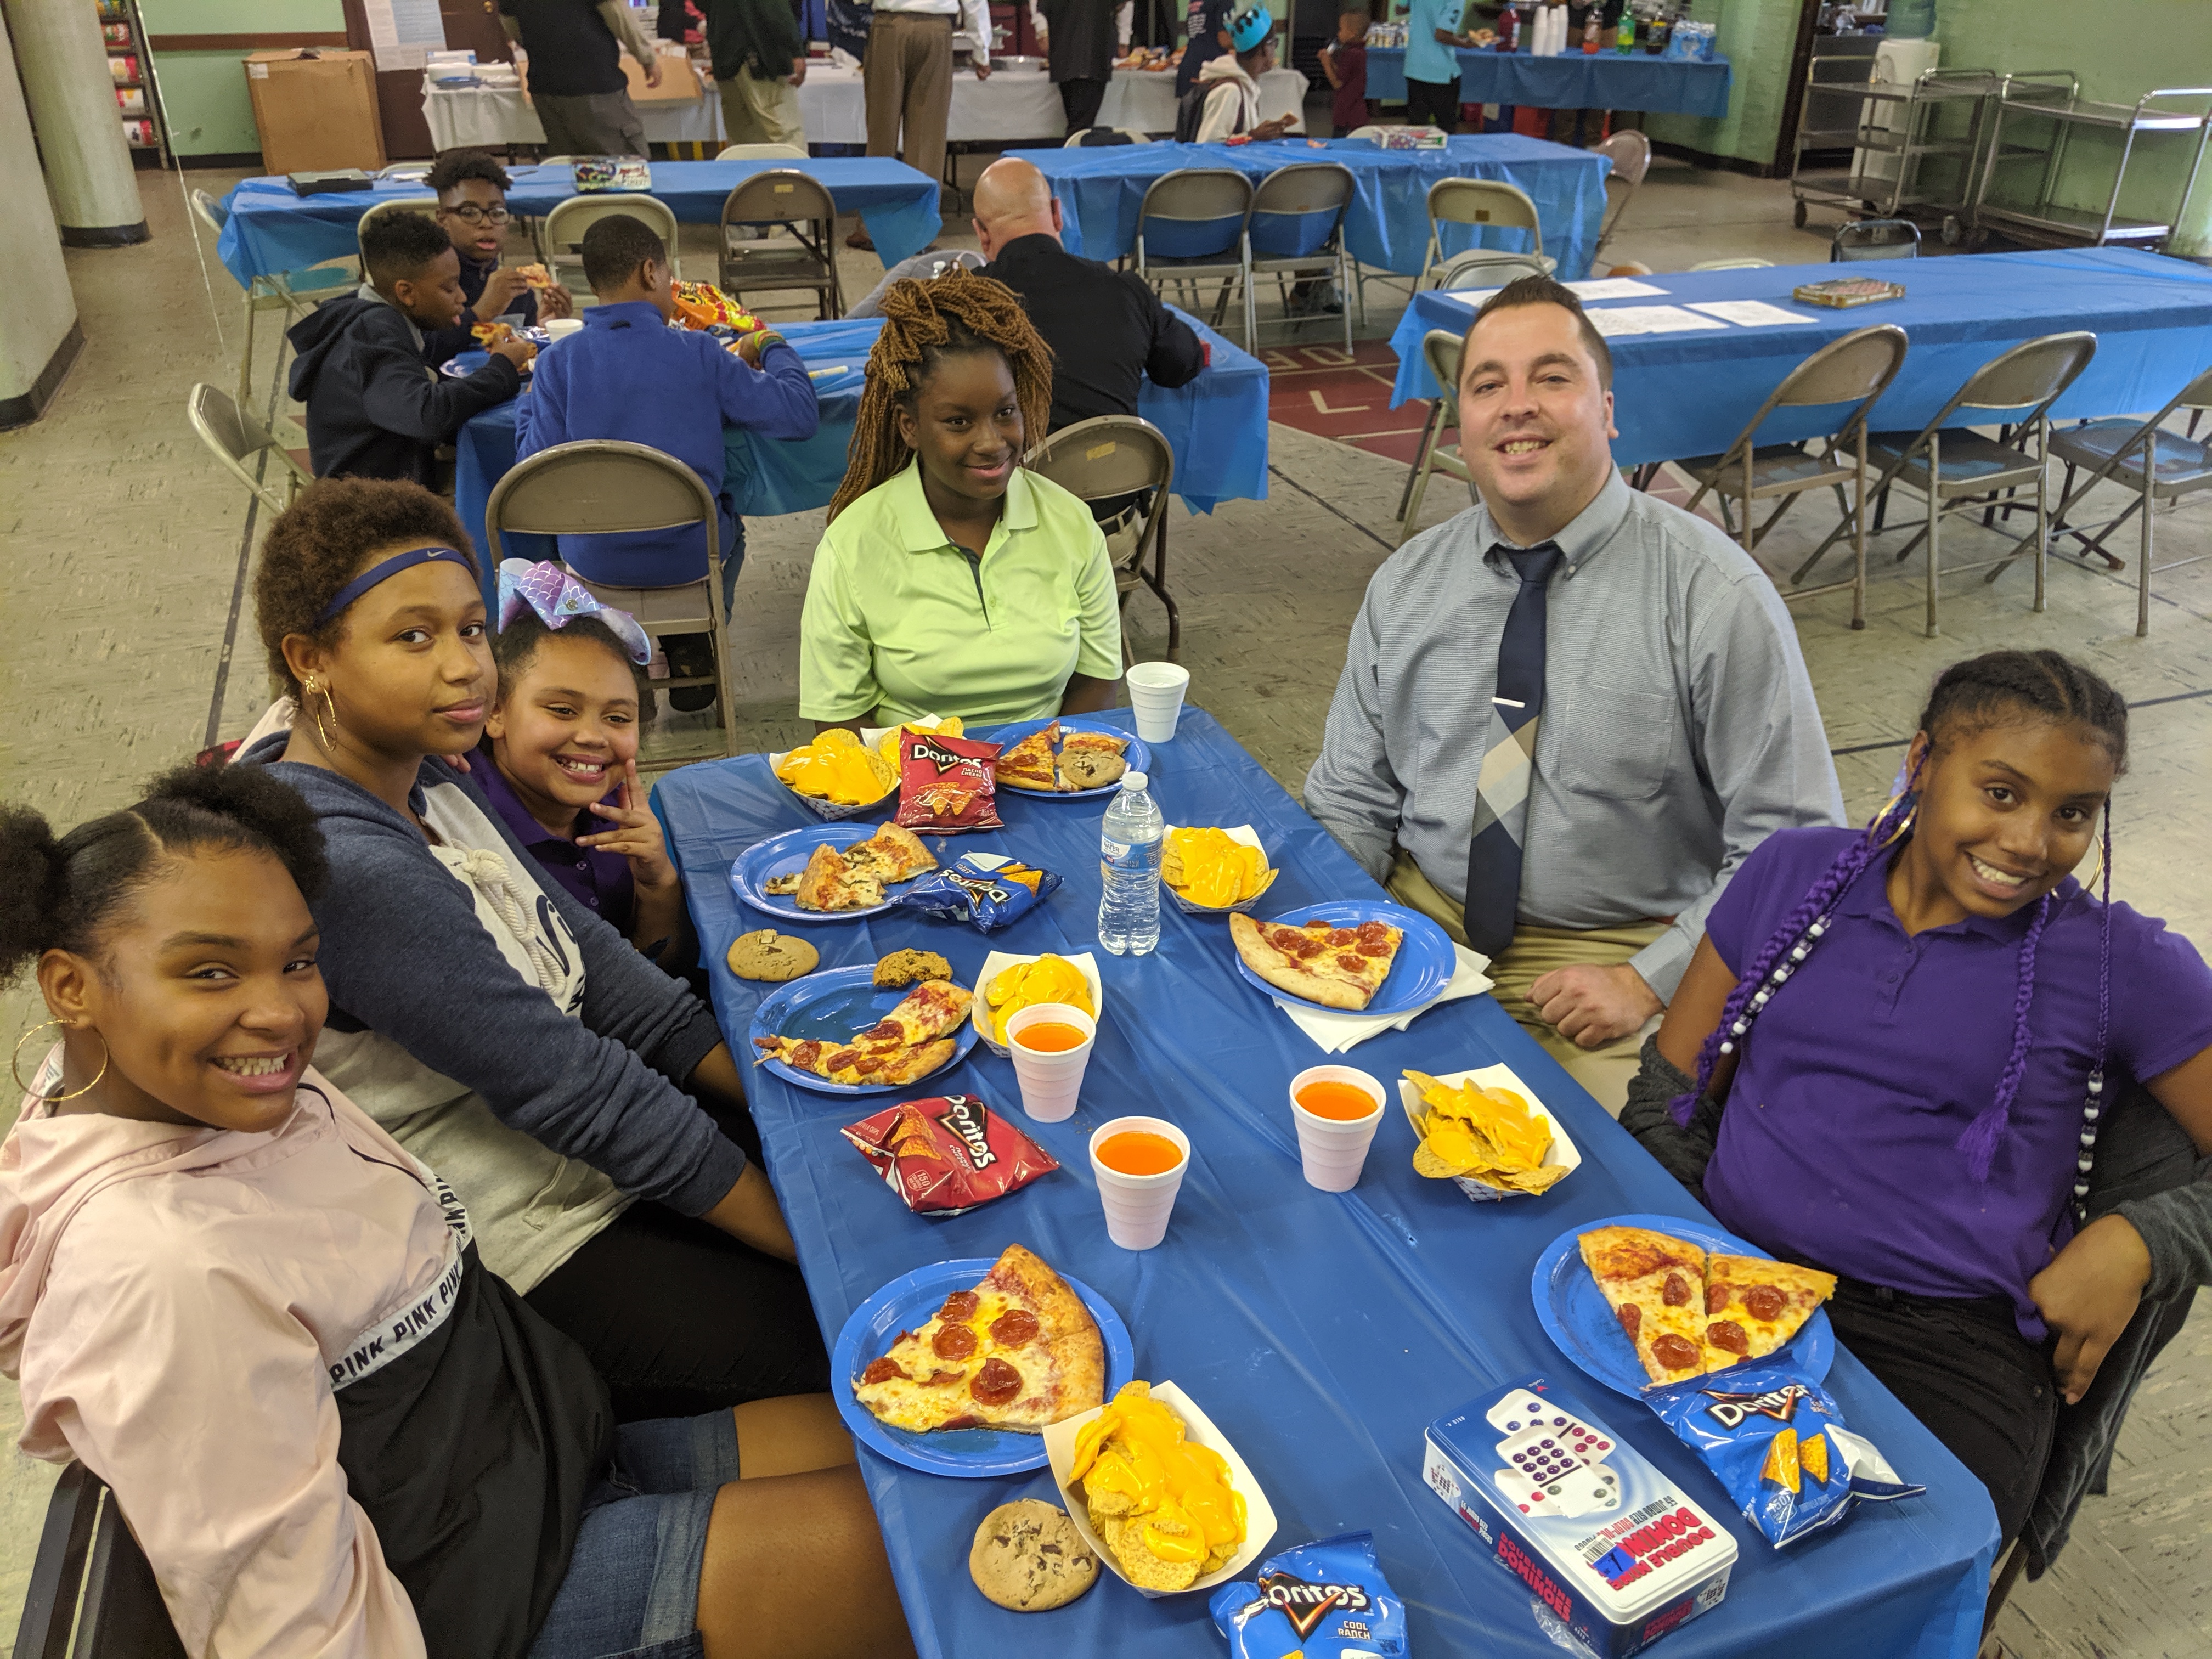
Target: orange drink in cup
point(1050, 1044)
point(1337, 1109)
point(1139, 1164)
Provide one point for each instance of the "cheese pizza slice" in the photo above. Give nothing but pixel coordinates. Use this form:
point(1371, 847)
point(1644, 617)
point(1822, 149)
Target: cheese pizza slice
point(1753, 1306)
point(829, 883)
point(1018, 1352)
point(932, 1008)
point(1655, 1284)
point(1336, 967)
point(893, 853)
point(1028, 763)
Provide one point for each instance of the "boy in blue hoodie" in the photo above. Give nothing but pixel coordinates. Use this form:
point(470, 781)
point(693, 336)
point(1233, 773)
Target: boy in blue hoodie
point(374, 408)
point(629, 376)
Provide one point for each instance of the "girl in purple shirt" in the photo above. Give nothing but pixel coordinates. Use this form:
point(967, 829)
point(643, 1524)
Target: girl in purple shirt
point(1904, 1042)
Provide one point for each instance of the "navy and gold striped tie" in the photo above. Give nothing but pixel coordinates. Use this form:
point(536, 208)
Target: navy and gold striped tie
point(1509, 767)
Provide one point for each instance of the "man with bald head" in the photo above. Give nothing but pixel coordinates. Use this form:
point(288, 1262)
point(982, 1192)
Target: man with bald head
point(1107, 329)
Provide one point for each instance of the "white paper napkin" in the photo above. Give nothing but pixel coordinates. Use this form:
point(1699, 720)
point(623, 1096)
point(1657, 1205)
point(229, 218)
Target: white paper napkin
point(1335, 1032)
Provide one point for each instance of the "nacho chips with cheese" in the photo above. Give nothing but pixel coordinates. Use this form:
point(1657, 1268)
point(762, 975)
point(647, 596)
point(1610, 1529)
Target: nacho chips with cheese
point(1489, 1135)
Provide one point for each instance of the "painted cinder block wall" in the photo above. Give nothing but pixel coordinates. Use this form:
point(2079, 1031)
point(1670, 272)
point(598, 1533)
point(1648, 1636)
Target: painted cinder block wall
point(2120, 49)
point(203, 93)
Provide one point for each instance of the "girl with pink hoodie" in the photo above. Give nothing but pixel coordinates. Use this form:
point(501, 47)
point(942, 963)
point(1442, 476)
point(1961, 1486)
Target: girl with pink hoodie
point(264, 1324)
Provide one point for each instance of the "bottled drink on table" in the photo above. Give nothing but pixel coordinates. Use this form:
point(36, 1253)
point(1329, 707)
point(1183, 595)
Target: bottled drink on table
point(1624, 39)
point(1129, 845)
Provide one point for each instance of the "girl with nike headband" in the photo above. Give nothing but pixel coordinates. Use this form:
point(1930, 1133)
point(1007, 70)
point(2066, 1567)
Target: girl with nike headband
point(1896, 1053)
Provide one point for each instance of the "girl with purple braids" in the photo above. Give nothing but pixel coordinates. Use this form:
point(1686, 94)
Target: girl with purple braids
point(1894, 1051)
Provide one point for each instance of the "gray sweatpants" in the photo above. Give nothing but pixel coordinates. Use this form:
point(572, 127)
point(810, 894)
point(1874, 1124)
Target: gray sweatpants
point(594, 123)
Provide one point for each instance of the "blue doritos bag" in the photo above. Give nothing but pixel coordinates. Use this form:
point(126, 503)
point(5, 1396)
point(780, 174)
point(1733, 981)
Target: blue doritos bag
point(1327, 1600)
point(1778, 1443)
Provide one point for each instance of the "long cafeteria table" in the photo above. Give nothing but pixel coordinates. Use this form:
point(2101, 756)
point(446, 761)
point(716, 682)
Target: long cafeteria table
point(1690, 393)
point(1387, 224)
point(1570, 79)
point(1321, 1331)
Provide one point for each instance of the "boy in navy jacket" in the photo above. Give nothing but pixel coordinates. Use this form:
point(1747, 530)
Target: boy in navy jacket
point(375, 409)
point(629, 376)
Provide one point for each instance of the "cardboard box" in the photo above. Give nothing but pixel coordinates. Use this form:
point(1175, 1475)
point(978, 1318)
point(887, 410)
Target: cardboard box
point(679, 83)
point(315, 110)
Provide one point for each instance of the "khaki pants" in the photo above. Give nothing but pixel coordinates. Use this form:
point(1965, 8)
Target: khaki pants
point(1606, 1072)
point(907, 81)
point(758, 112)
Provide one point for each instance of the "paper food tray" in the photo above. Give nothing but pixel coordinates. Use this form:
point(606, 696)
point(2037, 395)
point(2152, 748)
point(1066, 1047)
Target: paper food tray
point(1563, 1153)
point(1249, 837)
point(999, 961)
point(870, 736)
point(1198, 1428)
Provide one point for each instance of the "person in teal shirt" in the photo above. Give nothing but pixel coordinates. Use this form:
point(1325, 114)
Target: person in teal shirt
point(1432, 40)
point(950, 580)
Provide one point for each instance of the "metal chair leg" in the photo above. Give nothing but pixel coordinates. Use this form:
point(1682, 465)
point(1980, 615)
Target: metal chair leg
point(1859, 538)
point(1413, 468)
point(2143, 575)
point(1935, 527)
point(2042, 511)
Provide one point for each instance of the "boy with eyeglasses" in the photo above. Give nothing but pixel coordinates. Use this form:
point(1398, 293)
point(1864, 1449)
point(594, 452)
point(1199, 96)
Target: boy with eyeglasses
point(472, 209)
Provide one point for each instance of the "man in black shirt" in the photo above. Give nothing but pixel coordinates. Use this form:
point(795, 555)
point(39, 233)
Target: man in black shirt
point(1107, 329)
point(576, 83)
point(1079, 38)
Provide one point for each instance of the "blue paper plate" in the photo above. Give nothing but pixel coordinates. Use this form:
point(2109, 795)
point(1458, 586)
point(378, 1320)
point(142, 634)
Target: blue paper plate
point(1575, 1314)
point(831, 1006)
point(462, 364)
point(786, 854)
point(1136, 756)
point(1425, 964)
point(905, 1303)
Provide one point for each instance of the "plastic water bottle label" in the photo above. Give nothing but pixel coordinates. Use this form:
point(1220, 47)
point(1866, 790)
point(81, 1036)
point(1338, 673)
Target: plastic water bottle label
point(1113, 851)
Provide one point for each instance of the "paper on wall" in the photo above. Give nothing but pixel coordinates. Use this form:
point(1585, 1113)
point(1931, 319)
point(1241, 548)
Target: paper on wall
point(1611, 321)
point(1748, 313)
point(402, 33)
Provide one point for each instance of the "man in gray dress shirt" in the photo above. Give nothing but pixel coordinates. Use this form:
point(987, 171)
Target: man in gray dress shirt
point(1678, 726)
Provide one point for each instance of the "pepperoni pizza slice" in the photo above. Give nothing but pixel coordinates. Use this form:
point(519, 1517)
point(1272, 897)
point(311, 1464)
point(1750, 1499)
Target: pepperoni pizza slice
point(1019, 1351)
point(1754, 1305)
point(1655, 1283)
point(1028, 763)
point(906, 1044)
point(1336, 967)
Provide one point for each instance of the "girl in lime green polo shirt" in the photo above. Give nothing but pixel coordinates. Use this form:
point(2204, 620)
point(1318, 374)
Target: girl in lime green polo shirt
point(951, 580)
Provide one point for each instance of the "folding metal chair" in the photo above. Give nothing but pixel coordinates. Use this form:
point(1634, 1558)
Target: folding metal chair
point(91, 1580)
point(426, 205)
point(560, 233)
point(1440, 348)
point(2158, 465)
point(1875, 239)
point(294, 293)
point(801, 205)
point(1187, 220)
point(1489, 201)
point(1480, 265)
point(1630, 151)
point(1102, 138)
point(1297, 229)
point(760, 153)
point(235, 438)
point(1953, 469)
point(597, 485)
point(1856, 370)
point(1111, 455)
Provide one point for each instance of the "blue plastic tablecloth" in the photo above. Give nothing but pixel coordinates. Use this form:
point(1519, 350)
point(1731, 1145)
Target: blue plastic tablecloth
point(1387, 222)
point(1322, 1332)
point(1217, 426)
point(271, 229)
point(1573, 80)
point(1679, 395)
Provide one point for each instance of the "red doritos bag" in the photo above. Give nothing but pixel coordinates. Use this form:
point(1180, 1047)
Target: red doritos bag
point(946, 784)
point(948, 1154)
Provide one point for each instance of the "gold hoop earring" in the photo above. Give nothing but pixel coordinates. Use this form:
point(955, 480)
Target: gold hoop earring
point(15, 1063)
point(2089, 881)
point(308, 690)
point(1903, 828)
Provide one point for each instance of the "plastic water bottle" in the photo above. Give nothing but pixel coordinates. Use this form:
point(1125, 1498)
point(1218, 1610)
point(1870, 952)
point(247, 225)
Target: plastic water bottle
point(1130, 844)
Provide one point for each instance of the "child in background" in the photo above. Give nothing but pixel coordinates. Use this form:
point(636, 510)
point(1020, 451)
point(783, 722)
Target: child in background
point(561, 744)
point(1344, 60)
point(374, 411)
point(472, 209)
point(629, 375)
point(1231, 87)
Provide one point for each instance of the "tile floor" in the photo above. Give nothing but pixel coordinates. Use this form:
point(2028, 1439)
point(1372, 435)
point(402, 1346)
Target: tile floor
point(121, 556)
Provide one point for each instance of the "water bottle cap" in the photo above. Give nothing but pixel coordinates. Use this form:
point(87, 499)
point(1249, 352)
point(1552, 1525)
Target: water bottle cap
point(1133, 779)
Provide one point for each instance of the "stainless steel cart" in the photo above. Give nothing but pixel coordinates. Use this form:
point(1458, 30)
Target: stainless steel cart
point(2054, 96)
point(1894, 130)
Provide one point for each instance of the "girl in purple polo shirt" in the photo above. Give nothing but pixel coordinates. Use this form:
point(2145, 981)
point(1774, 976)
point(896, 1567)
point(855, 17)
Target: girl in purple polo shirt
point(559, 757)
point(1903, 1042)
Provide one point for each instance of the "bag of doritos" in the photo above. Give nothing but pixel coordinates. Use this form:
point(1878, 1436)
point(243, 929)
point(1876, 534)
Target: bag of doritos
point(984, 889)
point(1327, 1600)
point(946, 1155)
point(946, 784)
point(1776, 1441)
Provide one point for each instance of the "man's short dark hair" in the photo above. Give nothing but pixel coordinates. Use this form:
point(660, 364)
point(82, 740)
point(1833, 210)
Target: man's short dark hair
point(615, 247)
point(457, 167)
point(400, 246)
point(1543, 291)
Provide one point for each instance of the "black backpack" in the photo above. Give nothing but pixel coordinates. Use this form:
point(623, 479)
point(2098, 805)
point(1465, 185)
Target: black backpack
point(1190, 110)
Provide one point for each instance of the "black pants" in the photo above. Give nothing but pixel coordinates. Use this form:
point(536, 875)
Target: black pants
point(681, 1319)
point(1963, 1369)
point(1079, 99)
point(1430, 103)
